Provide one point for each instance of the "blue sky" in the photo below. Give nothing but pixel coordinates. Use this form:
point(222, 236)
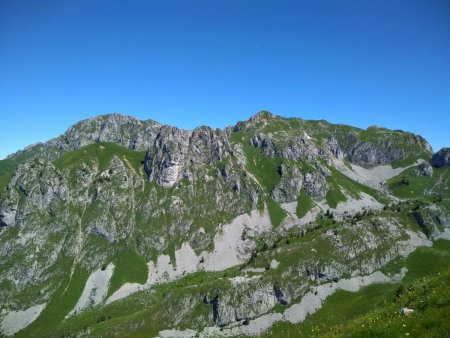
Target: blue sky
point(212, 62)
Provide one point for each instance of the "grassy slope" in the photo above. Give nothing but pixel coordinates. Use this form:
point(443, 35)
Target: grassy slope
point(130, 267)
point(263, 168)
point(430, 299)
point(266, 171)
point(304, 204)
point(406, 185)
point(344, 312)
point(334, 194)
point(62, 302)
point(101, 152)
point(338, 314)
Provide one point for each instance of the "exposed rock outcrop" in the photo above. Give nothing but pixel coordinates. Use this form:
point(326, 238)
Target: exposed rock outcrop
point(178, 154)
point(441, 158)
point(315, 185)
point(290, 184)
point(424, 169)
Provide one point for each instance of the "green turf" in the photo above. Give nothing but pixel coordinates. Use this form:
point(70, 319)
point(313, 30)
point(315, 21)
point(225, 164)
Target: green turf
point(430, 299)
point(276, 212)
point(4, 180)
point(101, 152)
point(265, 169)
point(406, 185)
point(377, 306)
point(130, 267)
point(62, 302)
point(334, 194)
point(304, 204)
point(340, 307)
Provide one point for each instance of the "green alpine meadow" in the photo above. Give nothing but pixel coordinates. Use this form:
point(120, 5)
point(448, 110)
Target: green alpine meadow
point(272, 227)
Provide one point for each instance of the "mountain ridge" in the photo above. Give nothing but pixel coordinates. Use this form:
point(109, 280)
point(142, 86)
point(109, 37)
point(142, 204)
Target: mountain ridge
point(246, 220)
point(121, 129)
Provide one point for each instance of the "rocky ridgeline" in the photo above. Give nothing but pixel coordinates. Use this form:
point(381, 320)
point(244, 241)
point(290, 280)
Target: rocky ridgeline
point(304, 140)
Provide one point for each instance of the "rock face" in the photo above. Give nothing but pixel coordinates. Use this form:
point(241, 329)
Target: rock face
point(441, 158)
point(301, 140)
point(248, 300)
point(41, 183)
point(180, 154)
point(316, 186)
point(290, 184)
point(424, 169)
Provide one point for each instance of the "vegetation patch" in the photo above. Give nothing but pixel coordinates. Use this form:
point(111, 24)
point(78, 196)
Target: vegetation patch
point(265, 169)
point(334, 194)
point(103, 153)
point(304, 204)
point(130, 267)
point(62, 302)
point(407, 185)
point(276, 212)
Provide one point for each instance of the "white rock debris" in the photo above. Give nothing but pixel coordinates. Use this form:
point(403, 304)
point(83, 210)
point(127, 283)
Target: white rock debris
point(14, 321)
point(95, 290)
point(274, 264)
point(230, 249)
point(373, 177)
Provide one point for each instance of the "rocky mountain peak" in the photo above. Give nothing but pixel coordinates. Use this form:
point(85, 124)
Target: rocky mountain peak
point(261, 116)
point(441, 158)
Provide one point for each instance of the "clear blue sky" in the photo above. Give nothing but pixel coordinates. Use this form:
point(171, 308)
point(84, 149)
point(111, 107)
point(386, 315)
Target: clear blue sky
point(212, 62)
